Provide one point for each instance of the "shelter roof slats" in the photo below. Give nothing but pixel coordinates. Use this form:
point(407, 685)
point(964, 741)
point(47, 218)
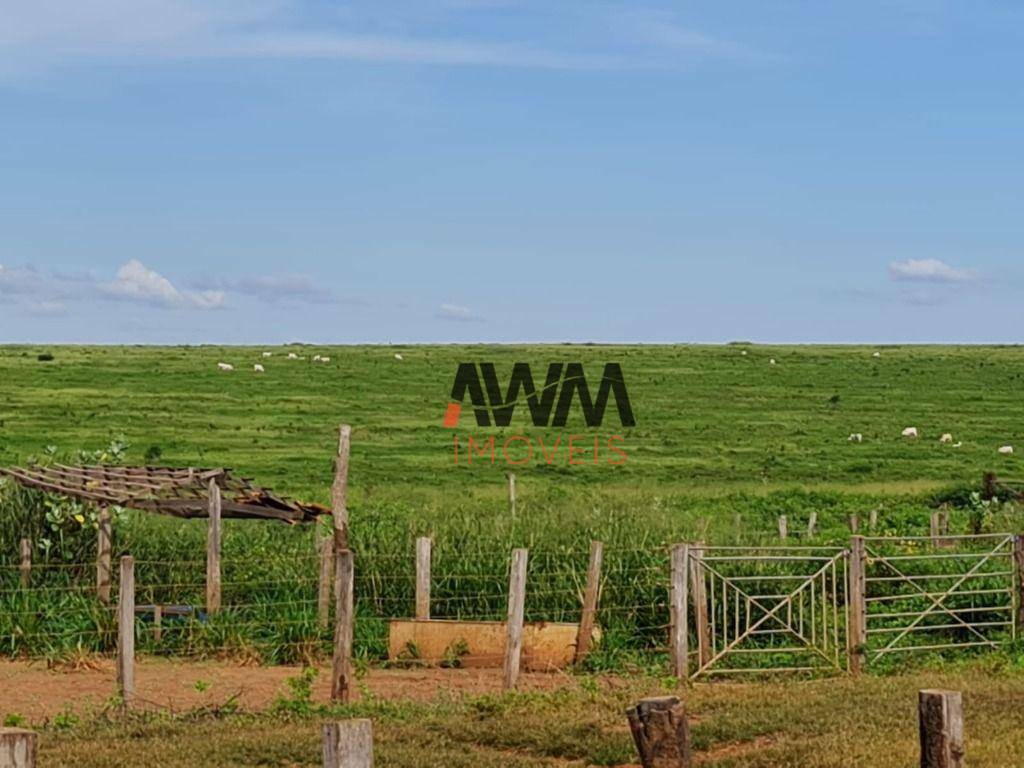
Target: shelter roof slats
point(181, 492)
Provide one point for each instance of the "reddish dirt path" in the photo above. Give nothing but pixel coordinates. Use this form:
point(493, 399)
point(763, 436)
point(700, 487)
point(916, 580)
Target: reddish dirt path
point(38, 693)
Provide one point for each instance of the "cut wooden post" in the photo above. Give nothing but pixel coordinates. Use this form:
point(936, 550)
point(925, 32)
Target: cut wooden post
point(158, 617)
point(812, 524)
point(339, 490)
point(1018, 563)
point(857, 634)
point(514, 626)
point(933, 529)
point(854, 523)
point(512, 493)
point(344, 624)
point(660, 732)
point(17, 748)
point(104, 551)
point(941, 727)
point(423, 545)
point(126, 631)
point(873, 520)
point(591, 594)
point(213, 548)
point(25, 568)
point(325, 550)
point(783, 527)
point(698, 592)
point(679, 613)
point(348, 744)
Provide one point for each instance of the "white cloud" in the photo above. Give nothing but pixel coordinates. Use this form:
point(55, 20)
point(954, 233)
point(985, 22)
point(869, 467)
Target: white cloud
point(928, 271)
point(137, 282)
point(456, 312)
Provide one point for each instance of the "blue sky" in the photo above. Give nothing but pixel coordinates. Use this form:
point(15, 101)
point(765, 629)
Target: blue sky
point(479, 170)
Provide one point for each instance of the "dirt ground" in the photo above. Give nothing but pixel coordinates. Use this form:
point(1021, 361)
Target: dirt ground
point(31, 690)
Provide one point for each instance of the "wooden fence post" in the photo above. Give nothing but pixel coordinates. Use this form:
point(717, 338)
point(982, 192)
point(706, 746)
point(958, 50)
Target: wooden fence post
point(1018, 579)
point(348, 744)
point(941, 727)
point(514, 628)
point(158, 623)
point(325, 551)
point(17, 748)
point(679, 611)
point(512, 493)
point(854, 523)
point(213, 548)
point(660, 732)
point(25, 568)
point(873, 520)
point(857, 631)
point(344, 624)
point(812, 524)
point(339, 489)
point(933, 529)
point(698, 592)
point(591, 594)
point(423, 547)
point(104, 551)
point(783, 527)
point(126, 631)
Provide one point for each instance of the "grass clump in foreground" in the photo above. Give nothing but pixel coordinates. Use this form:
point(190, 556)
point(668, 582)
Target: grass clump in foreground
point(871, 721)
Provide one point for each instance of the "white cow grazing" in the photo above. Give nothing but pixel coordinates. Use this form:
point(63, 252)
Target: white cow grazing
point(325, 360)
point(398, 356)
point(856, 437)
point(910, 432)
point(226, 366)
point(316, 358)
point(946, 438)
point(292, 356)
point(772, 361)
point(876, 354)
point(1006, 450)
point(744, 353)
point(258, 368)
point(267, 354)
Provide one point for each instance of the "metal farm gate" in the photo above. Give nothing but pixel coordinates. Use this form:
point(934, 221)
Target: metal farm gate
point(832, 609)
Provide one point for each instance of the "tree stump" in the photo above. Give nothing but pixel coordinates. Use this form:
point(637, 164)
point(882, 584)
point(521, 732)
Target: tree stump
point(660, 732)
point(941, 719)
point(17, 748)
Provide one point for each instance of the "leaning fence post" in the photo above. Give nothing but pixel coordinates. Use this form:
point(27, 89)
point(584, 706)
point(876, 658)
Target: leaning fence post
point(423, 546)
point(783, 527)
point(344, 622)
point(25, 568)
point(698, 592)
point(679, 611)
point(17, 748)
point(660, 732)
point(325, 551)
point(126, 631)
point(213, 548)
point(514, 629)
point(104, 550)
point(941, 729)
point(590, 597)
point(857, 631)
point(348, 744)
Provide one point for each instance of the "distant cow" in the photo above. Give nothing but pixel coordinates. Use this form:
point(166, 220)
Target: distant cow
point(292, 356)
point(267, 354)
point(946, 438)
point(910, 432)
point(397, 356)
point(226, 366)
point(856, 437)
point(1006, 450)
point(258, 368)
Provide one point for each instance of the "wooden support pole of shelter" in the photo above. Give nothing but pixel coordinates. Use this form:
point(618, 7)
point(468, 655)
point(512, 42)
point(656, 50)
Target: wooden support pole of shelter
point(339, 489)
point(660, 732)
point(213, 549)
point(857, 636)
point(104, 552)
point(325, 552)
point(679, 612)
point(591, 595)
point(941, 727)
point(1018, 579)
point(348, 744)
point(25, 567)
point(514, 627)
point(698, 592)
point(812, 524)
point(17, 748)
point(344, 624)
point(512, 493)
point(423, 547)
point(126, 631)
point(783, 527)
